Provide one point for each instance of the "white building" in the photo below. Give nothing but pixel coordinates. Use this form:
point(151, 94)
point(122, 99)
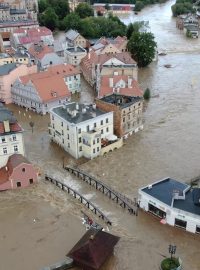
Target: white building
point(83, 130)
point(74, 55)
point(11, 136)
point(175, 203)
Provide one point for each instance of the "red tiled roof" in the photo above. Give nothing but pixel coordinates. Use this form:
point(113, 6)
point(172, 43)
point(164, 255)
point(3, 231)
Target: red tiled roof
point(39, 51)
point(36, 31)
point(14, 161)
point(15, 127)
point(105, 88)
point(64, 69)
point(47, 83)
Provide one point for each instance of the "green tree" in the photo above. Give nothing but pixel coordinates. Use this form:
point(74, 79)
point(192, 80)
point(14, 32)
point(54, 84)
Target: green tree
point(61, 8)
point(42, 5)
point(49, 18)
point(71, 21)
point(142, 46)
point(147, 94)
point(139, 5)
point(134, 27)
point(84, 10)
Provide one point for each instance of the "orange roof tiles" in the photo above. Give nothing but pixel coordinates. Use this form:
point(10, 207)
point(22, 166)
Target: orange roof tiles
point(15, 127)
point(105, 88)
point(39, 51)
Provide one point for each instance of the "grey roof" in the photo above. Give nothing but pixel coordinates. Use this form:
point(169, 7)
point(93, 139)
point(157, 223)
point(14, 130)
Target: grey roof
point(164, 190)
point(189, 204)
point(121, 100)
point(5, 114)
point(64, 112)
point(71, 34)
point(75, 49)
point(98, 46)
point(6, 69)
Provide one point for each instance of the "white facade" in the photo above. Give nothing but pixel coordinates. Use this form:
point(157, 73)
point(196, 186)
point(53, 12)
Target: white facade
point(74, 55)
point(10, 143)
point(74, 83)
point(80, 138)
point(171, 214)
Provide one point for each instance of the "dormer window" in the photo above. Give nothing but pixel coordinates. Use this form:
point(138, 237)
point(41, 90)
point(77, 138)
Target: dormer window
point(54, 94)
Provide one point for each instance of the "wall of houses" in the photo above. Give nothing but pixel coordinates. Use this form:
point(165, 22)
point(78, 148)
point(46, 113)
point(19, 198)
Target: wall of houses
point(10, 144)
point(7, 80)
point(27, 96)
point(129, 70)
point(112, 147)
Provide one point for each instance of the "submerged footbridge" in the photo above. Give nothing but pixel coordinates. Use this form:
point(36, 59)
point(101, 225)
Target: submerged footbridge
point(122, 200)
point(80, 197)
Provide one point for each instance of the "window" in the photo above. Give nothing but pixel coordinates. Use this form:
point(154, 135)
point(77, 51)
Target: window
point(94, 151)
point(31, 181)
point(50, 63)
point(63, 141)
point(68, 136)
point(23, 169)
point(67, 127)
point(62, 132)
point(93, 141)
point(3, 139)
point(123, 119)
point(15, 148)
point(18, 184)
point(107, 129)
point(97, 149)
point(180, 223)
point(53, 126)
point(95, 125)
point(102, 131)
point(197, 229)
point(97, 140)
point(101, 122)
point(106, 120)
point(5, 150)
point(88, 128)
point(14, 137)
point(79, 130)
point(68, 145)
point(80, 148)
point(79, 140)
point(61, 124)
point(128, 126)
point(52, 115)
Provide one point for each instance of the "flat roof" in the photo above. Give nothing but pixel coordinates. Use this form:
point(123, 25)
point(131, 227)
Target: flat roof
point(165, 189)
point(120, 100)
point(66, 112)
point(187, 204)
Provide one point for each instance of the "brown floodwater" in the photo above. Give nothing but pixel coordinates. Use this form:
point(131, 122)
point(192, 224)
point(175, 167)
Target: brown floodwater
point(38, 226)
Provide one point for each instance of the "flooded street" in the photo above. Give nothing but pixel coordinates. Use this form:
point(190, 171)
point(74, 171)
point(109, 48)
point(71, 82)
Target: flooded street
point(169, 145)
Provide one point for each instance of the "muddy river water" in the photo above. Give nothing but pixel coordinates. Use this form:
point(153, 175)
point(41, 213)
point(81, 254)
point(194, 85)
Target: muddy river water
point(39, 225)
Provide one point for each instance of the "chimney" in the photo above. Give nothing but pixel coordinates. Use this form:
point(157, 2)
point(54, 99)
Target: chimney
point(129, 82)
point(77, 106)
point(111, 82)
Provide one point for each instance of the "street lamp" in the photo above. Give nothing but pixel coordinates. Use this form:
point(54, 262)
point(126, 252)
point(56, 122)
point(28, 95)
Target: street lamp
point(172, 250)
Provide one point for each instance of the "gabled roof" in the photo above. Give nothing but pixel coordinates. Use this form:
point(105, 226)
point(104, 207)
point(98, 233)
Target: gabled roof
point(39, 51)
point(50, 84)
point(132, 90)
point(14, 161)
point(71, 34)
point(93, 249)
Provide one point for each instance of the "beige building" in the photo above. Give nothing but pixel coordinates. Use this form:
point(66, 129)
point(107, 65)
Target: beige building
point(73, 39)
point(74, 55)
point(16, 57)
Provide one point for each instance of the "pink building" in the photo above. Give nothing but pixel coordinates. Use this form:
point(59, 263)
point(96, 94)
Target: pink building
point(8, 74)
point(18, 172)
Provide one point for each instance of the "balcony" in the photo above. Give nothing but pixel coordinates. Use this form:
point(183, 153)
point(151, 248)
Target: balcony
point(108, 145)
